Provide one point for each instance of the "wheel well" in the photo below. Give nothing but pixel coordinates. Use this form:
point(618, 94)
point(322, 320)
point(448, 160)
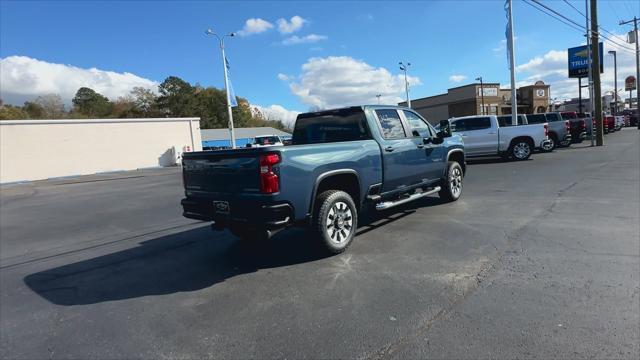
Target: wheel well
point(348, 183)
point(458, 156)
point(520, 138)
point(552, 134)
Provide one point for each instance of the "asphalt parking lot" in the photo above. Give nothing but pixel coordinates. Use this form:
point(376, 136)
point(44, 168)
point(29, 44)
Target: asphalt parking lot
point(537, 259)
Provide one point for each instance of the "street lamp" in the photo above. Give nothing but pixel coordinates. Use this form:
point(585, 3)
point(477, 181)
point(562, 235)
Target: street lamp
point(226, 82)
point(378, 96)
point(615, 81)
point(481, 92)
point(404, 67)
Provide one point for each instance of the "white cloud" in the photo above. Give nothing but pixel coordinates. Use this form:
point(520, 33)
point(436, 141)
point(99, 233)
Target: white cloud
point(283, 77)
point(24, 78)
point(311, 38)
point(457, 78)
point(552, 69)
point(255, 26)
point(338, 81)
point(277, 112)
point(288, 27)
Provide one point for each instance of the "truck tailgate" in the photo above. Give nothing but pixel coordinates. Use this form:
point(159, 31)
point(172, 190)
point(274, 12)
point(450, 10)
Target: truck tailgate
point(222, 171)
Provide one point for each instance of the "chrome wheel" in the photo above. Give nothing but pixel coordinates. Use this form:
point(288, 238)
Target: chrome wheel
point(339, 223)
point(455, 181)
point(521, 150)
point(550, 145)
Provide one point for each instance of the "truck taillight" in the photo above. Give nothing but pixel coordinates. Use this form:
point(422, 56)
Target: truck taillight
point(567, 125)
point(583, 124)
point(269, 182)
point(546, 130)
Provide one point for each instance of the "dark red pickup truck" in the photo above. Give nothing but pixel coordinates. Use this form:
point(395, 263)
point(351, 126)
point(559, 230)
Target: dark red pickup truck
point(578, 125)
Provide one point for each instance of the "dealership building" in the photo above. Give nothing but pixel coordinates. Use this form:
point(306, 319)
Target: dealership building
point(468, 100)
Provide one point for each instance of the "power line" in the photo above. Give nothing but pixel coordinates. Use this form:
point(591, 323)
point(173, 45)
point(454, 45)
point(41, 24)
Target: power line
point(553, 16)
point(617, 37)
point(571, 23)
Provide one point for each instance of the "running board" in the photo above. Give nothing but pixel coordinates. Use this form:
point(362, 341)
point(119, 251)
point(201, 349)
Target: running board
point(389, 204)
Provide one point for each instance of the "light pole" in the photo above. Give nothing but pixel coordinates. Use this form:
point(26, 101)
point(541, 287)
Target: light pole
point(378, 96)
point(226, 82)
point(404, 67)
point(481, 92)
point(615, 82)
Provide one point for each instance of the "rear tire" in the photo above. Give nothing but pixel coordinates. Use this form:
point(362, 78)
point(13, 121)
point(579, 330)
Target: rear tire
point(336, 220)
point(521, 150)
point(451, 182)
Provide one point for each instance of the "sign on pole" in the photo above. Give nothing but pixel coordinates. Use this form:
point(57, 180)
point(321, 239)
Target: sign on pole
point(630, 83)
point(578, 64)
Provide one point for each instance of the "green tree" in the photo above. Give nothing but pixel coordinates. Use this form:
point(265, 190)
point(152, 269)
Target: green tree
point(177, 97)
point(33, 110)
point(91, 103)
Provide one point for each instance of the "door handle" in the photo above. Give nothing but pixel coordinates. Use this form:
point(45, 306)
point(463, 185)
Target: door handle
point(420, 146)
point(389, 148)
point(492, 133)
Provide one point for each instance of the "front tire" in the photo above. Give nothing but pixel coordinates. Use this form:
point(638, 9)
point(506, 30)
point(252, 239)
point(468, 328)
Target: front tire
point(452, 182)
point(336, 220)
point(520, 150)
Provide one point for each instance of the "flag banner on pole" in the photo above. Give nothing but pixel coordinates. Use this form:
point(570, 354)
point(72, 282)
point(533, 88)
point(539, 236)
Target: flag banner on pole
point(232, 95)
point(507, 33)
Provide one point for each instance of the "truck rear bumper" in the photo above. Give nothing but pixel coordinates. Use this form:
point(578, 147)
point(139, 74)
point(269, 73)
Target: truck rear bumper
point(544, 144)
point(270, 216)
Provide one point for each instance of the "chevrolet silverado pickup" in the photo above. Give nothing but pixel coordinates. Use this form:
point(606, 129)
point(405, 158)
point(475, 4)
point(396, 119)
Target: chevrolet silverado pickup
point(559, 129)
point(491, 135)
point(340, 162)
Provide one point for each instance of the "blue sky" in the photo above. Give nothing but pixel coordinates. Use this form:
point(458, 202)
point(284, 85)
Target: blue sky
point(155, 39)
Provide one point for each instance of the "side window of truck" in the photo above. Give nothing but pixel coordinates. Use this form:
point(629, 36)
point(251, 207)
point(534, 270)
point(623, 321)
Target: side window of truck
point(419, 127)
point(457, 125)
point(390, 124)
point(477, 123)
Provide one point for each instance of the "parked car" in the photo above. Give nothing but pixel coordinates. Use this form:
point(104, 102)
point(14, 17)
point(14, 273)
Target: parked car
point(340, 162)
point(578, 126)
point(490, 136)
point(559, 129)
point(266, 140)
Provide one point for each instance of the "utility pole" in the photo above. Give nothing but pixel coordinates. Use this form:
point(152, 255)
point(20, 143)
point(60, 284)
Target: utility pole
point(596, 96)
point(615, 82)
point(635, 30)
point(481, 92)
point(226, 83)
point(590, 74)
point(404, 67)
point(512, 66)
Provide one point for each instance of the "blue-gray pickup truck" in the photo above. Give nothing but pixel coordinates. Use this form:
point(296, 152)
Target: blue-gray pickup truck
point(339, 162)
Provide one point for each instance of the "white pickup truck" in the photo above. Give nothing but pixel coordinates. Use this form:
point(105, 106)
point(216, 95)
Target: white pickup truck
point(490, 135)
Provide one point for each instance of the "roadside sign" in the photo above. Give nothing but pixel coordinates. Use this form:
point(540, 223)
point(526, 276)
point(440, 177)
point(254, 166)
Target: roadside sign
point(630, 83)
point(578, 64)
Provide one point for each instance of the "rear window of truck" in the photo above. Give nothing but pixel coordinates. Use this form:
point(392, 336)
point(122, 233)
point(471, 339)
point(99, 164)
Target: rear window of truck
point(331, 126)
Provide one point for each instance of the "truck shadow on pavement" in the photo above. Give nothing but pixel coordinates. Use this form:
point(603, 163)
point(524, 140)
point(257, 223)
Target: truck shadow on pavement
point(186, 261)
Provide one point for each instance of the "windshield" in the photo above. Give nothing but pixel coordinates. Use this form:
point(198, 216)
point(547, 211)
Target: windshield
point(266, 140)
point(331, 126)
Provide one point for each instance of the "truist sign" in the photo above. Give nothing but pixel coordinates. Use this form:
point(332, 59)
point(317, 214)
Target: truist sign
point(578, 62)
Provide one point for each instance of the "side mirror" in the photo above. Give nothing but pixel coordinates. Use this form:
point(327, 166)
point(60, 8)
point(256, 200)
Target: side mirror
point(248, 145)
point(445, 129)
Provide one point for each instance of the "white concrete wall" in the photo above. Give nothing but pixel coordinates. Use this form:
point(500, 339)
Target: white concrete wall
point(41, 149)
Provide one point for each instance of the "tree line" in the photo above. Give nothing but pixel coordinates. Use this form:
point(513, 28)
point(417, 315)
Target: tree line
point(176, 98)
